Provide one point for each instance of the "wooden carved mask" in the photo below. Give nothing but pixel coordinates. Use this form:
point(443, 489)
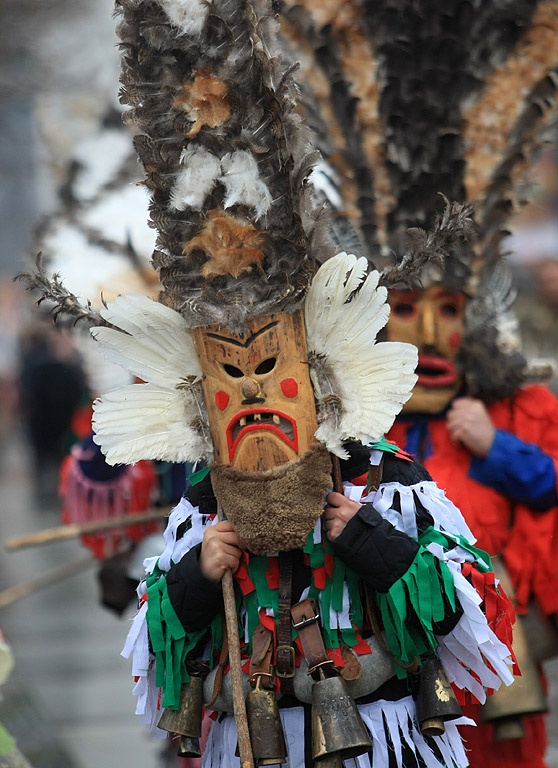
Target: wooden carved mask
point(257, 389)
point(433, 320)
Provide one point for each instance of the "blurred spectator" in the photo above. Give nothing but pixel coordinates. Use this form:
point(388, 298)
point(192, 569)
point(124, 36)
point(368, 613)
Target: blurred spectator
point(52, 386)
point(533, 257)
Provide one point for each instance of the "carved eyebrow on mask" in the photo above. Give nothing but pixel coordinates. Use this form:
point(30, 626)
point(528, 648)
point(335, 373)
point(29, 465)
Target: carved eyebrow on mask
point(250, 338)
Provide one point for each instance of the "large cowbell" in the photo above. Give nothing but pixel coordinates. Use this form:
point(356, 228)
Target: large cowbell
point(187, 720)
point(338, 732)
point(257, 389)
point(266, 730)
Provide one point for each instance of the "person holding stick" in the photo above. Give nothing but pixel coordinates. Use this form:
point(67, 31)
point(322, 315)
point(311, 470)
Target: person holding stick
point(338, 635)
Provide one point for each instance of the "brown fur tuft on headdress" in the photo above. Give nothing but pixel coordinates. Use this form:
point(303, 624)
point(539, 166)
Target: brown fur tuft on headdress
point(226, 157)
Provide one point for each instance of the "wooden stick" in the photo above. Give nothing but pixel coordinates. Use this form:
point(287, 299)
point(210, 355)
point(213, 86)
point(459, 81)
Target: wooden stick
point(336, 473)
point(19, 591)
point(73, 530)
point(239, 703)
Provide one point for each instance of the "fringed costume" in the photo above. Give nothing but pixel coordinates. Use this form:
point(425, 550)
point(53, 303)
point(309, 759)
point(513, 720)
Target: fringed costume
point(263, 358)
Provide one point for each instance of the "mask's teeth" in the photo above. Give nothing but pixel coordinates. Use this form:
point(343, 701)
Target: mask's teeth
point(243, 421)
point(276, 419)
point(257, 417)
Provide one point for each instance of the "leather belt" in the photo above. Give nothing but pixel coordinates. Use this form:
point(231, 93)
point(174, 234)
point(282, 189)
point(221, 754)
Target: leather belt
point(284, 653)
point(306, 620)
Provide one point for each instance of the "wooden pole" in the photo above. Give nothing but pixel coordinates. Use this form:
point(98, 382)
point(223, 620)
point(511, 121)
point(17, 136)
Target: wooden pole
point(336, 473)
point(19, 591)
point(73, 530)
point(239, 703)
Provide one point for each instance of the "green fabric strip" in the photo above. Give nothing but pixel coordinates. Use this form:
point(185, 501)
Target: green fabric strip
point(383, 445)
point(449, 542)
point(412, 605)
point(337, 585)
point(198, 476)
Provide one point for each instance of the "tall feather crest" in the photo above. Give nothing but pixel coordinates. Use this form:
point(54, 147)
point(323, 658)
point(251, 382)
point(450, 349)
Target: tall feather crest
point(451, 99)
point(360, 386)
point(225, 156)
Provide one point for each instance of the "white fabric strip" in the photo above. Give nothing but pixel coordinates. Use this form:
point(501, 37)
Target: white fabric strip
point(447, 517)
point(386, 720)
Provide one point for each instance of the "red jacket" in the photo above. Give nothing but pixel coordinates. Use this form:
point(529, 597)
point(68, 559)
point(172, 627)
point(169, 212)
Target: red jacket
point(525, 537)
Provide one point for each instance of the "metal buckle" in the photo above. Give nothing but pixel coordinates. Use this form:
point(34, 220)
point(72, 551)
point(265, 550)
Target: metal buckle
point(305, 621)
point(292, 661)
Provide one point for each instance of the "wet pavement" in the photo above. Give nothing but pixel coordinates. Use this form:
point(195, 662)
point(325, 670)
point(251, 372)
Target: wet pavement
point(69, 700)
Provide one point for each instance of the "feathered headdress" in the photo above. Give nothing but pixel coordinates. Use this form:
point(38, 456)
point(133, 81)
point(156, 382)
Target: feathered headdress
point(411, 101)
point(240, 233)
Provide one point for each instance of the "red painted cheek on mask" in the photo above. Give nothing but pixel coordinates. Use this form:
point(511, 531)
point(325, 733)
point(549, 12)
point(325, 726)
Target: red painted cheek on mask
point(289, 387)
point(455, 340)
point(221, 400)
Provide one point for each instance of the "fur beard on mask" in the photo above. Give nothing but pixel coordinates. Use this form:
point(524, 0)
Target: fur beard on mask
point(274, 511)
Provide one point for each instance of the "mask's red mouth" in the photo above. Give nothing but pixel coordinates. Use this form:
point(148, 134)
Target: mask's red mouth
point(434, 371)
point(264, 418)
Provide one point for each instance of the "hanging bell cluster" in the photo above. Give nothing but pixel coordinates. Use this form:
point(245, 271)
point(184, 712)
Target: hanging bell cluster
point(186, 721)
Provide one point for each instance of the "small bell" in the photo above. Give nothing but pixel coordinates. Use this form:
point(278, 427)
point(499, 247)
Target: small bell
point(436, 702)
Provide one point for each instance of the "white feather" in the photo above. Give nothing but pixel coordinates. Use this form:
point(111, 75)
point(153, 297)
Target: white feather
point(196, 180)
point(151, 420)
point(242, 182)
point(188, 15)
point(344, 313)
point(158, 429)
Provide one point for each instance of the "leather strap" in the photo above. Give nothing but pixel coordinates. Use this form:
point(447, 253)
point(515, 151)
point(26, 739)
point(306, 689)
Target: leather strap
point(306, 620)
point(284, 653)
point(223, 660)
point(260, 663)
point(374, 476)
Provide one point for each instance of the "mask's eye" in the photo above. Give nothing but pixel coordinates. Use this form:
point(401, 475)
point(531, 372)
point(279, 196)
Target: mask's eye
point(403, 309)
point(233, 371)
point(449, 311)
point(266, 366)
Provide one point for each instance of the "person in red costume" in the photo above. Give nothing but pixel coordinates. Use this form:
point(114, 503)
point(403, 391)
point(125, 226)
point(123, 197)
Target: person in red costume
point(491, 441)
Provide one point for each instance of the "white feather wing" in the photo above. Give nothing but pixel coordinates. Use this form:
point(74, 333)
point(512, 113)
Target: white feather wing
point(152, 420)
point(144, 421)
point(156, 344)
point(344, 313)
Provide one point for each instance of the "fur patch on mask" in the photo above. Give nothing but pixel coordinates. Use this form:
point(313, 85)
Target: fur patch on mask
point(273, 511)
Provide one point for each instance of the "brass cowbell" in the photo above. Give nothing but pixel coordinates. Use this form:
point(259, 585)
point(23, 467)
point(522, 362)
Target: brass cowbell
point(187, 719)
point(523, 697)
point(436, 701)
point(265, 727)
point(337, 727)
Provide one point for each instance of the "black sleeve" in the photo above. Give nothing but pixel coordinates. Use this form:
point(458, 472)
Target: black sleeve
point(373, 548)
point(377, 551)
point(195, 599)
